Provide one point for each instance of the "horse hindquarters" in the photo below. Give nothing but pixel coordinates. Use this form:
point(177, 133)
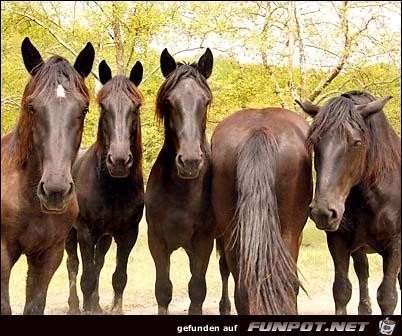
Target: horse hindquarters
point(267, 273)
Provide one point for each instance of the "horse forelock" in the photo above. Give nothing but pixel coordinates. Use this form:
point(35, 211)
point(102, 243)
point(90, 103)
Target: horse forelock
point(183, 70)
point(120, 86)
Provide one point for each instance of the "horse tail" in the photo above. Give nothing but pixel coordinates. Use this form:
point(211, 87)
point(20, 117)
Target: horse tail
point(267, 271)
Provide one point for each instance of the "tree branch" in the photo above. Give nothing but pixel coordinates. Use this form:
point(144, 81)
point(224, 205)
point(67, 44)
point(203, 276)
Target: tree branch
point(53, 33)
point(342, 60)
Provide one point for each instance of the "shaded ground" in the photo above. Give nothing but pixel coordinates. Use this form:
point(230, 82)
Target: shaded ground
point(146, 305)
point(315, 264)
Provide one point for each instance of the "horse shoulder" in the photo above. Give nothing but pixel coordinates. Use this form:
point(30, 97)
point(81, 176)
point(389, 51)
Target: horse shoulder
point(12, 200)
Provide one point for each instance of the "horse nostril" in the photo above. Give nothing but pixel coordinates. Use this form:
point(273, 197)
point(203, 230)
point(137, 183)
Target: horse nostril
point(109, 159)
point(333, 214)
point(70, 190)
point(129, 160)
point(42, 188)
point(180, 160)
point(310, 208)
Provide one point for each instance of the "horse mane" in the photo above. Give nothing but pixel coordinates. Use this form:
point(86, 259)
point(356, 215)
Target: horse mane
point(119, 86)
point(183, 70)
point(56, 70)
point(383, 147)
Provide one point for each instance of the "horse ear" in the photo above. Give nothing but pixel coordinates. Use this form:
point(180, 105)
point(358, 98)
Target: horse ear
point(31, 56)
point(105, 74)
point(375, 106)
point(308, 107)
point(168, 64)
point(206, 63)
point(85, 60)
point(136, 73)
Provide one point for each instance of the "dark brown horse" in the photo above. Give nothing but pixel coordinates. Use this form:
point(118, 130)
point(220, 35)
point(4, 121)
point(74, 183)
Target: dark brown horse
point(178, 191)
point(357, 197)
point(261, 189)
point(38, 200)
point(110, 190)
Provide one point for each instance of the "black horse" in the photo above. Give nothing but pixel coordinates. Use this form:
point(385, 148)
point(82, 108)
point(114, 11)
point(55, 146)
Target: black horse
point(177, 199)
point(357, 198)
point(261, 189)
point(38, 200)
point(110, 190)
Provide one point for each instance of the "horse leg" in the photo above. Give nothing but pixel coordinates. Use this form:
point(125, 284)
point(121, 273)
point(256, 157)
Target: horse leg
point(199, 259)
point(360, 263)
point(387, 295)
point(163, 285)
point(125, 243)
point(241, 299)
point(242, 303)
point(293, 242)
point(88, 278)
point(224, 303)
point(342, 288)
point(101, 248)
point(41, 268)
point(72, 268)
point(7, 263)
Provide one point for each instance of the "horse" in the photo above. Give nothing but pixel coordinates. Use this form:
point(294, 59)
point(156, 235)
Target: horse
point(261, 189)
point(38, 200)
point(357, 195)
point(110, 191)
point(177, 198)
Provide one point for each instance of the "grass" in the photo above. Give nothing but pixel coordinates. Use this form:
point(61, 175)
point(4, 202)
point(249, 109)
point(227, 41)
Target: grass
point(315, 264)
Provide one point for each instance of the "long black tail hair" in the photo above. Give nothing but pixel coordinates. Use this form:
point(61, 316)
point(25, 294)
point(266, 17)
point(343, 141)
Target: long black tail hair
point(266, 269)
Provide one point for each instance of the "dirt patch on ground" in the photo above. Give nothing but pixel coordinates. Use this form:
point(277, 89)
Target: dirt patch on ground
point(316, 305)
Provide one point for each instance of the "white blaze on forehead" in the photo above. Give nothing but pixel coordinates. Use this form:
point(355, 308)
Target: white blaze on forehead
point(60, 91)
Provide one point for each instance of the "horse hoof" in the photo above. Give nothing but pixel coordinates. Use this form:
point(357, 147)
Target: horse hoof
point(195, 311)
point(97, 310)
point(74, 311)
point(224, 309)
point(117, 311)
point(365, 311)
point(162, 311)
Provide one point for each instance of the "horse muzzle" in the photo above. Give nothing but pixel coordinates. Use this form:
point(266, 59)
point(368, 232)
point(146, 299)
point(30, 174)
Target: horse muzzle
point(54, 199)
point(189, 167)
point(119, 166)
point(326, 217)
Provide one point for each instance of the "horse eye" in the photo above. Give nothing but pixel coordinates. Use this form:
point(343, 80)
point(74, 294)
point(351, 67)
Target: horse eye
point(357, 143)
point(84, 111)
point(31, 109)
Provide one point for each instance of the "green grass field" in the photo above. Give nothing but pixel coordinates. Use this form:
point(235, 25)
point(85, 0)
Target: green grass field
point(315, 264)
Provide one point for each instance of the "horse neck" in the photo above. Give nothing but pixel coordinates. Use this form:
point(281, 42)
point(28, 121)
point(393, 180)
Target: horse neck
point(384, 151)
point(30, 169)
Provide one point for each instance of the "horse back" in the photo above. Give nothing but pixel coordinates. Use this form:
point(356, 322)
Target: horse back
point(288, 129)
point(292, 167)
